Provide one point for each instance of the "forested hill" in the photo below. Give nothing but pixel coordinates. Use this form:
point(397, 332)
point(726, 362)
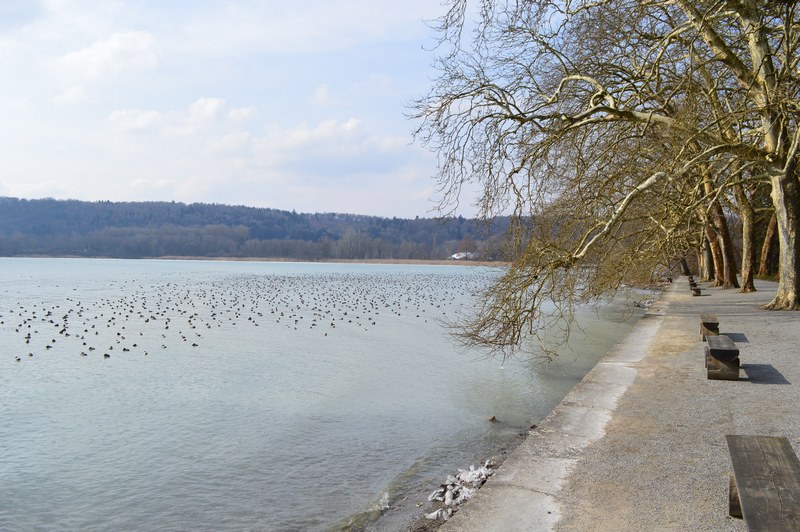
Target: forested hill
point(158, 229)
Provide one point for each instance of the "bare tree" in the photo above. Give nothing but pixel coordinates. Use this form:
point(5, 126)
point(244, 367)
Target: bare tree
point(604, 126)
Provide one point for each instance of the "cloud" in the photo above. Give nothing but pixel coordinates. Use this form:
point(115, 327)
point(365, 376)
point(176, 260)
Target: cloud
point(325, 131)
point(235, 141)
point(334, 155)
point(205, 109)
point(298, 27)
point(125, 51)
point(291, 104)
point(322, 95)
point(39, 189)
point(150, 184)
point(17, 13)
point(308, 143)
point(74, 95)
point(133, 120)
point(206, 116)
point(240, 114)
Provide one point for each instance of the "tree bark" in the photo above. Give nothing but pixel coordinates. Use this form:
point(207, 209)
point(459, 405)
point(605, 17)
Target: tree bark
point(716, 254)
point(700, 264)
point(705, 262)
point(728, 278)
point(707, 271)
point(779, 141)
point(685, 267)
point(786, 198)
point(748, 239)
point(766, 265)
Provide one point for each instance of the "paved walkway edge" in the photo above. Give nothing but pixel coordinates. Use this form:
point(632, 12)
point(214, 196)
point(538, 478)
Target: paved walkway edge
point(521, 495)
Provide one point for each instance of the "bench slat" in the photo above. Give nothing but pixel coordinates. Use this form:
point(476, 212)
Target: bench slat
point(722, 347)
point(709, 319)
point(767, 473)
point(709, 325)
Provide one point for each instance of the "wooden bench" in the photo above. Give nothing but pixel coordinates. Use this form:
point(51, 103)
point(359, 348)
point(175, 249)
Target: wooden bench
point(694, 288)
point(709, 325)
point(722, 358)
point(765, 483)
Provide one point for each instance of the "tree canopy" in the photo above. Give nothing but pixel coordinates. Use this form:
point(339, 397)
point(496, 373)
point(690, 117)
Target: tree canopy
point(623, 135)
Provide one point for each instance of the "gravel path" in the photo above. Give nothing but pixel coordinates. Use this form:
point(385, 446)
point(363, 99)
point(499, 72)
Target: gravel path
point(640, 443)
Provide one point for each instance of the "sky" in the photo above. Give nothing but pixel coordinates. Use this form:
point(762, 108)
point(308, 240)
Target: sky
point(294, 105)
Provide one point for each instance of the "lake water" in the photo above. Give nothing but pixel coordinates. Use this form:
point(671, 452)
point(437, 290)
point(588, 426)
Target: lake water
point(179, 395)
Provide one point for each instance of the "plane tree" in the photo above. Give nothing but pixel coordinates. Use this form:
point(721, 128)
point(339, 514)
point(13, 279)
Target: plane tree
point(611, 129)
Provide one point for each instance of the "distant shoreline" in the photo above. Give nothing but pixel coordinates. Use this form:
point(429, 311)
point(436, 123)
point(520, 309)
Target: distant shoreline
point(419, 262)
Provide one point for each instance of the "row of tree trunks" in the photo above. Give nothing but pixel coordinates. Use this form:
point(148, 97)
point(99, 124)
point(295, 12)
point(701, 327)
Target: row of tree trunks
point(725, 258)
point(711, 254)
point(726, 106)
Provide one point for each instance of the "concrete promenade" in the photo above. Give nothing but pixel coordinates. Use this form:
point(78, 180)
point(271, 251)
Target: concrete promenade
point(639, 444)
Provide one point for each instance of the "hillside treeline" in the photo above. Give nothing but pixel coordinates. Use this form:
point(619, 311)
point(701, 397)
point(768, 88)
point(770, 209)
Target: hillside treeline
point(158, 229)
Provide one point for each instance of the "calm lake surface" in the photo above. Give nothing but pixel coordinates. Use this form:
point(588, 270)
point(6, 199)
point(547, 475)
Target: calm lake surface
point(179, 395)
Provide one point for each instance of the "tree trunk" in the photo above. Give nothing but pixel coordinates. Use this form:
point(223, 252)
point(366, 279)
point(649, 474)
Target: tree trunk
point(685, 267)
point(730, 279)
point(716, 254)
point(707, 273)
point(786, 199)
point(705, 262)
point(766, 264)
point(748, 239)
point(779, 142)
point(729, 270)
point(700, 265)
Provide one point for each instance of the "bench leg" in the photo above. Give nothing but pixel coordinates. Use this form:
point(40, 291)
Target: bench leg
point(721, 371)
point(734, 505)
point(707, 331)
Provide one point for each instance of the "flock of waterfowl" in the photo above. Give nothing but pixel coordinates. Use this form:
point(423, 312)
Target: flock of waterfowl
point(143, 317)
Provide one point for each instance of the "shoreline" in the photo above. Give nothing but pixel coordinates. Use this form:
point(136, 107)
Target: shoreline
point(534, 472)
point(417, 262)
point(419, 523)
point(646, 429)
